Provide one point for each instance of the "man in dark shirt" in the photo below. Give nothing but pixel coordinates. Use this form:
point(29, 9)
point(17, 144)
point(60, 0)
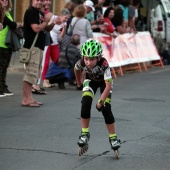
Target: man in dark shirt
point(34, 22)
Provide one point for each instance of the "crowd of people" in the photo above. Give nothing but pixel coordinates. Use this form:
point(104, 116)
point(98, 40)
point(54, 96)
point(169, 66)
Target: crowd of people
point(58, 36)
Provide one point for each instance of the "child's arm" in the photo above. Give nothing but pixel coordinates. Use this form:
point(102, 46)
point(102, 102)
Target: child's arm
point(78, 77)
point(105, 93)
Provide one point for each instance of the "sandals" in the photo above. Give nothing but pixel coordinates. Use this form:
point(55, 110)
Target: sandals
point(33, 104)
point(35, 91)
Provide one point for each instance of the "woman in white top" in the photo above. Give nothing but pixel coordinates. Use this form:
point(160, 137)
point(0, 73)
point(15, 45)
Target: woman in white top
point(81, 25)
point(56, 33)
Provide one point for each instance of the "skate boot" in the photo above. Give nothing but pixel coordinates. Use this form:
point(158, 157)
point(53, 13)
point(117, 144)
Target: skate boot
point(83, 143)
point(115, 145)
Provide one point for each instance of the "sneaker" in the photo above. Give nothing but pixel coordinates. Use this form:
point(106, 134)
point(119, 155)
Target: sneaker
point(47, 84)
point(2, 94)
point(115, 143)
point(7, 92)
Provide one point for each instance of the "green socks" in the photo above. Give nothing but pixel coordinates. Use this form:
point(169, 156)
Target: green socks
point(85, 130)
point(113, 136)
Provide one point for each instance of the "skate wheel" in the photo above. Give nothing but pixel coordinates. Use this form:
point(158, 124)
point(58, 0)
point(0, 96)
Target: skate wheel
point(82, 150)
point(116, 154)
point(79, 151)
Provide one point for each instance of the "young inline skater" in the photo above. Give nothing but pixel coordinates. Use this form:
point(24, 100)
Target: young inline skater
point(98, 75)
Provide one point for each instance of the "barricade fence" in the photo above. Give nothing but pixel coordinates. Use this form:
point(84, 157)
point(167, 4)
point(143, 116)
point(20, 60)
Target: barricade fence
point(128, 49)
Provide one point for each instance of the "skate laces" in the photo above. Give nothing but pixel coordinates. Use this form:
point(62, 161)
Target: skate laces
point(114, 142)
point(85, 135)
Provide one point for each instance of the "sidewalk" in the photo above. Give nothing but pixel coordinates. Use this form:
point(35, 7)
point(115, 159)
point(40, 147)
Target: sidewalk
point(15, 65)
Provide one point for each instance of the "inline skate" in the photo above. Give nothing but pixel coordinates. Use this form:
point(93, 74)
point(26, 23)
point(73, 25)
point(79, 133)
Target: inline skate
point(83, 143)
point(115, 145)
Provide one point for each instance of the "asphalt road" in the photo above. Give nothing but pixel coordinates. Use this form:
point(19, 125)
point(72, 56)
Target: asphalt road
point(45, 138)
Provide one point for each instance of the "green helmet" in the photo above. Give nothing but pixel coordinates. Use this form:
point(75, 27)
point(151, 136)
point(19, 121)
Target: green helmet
point(91, 48)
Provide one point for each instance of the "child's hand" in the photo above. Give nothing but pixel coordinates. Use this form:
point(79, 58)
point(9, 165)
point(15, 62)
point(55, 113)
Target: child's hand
point(99, 107)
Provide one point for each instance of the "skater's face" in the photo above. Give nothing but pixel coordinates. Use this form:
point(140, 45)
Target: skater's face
point(90, 62)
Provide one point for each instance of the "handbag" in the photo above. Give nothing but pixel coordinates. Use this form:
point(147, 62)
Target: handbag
point(25, 53)
point(19, 32)
point(71, 28)
point(12, 41)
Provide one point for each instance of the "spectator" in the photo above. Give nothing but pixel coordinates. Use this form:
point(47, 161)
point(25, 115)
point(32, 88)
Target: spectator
point(89, 10)
point(47, 14)
point(70, 6)
point(98, 15)
point(90, 14)
point(34, 22)
point(5, 52)
point(89, 6)
point(117, 20)
point(57, 73)
point(82, 25)
point(66, 40)
point(133, 13)
point(56, 33)
point(2, 13)
point(108, 15)
point(124, 5)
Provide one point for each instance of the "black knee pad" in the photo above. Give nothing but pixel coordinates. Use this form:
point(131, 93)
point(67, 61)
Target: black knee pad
point(86, 107)
point(107, 113)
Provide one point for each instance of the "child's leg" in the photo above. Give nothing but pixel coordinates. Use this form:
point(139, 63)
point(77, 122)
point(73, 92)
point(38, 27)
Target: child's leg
point(109, 118)
point(110, 123)
point(89, 90)
point(111, 128)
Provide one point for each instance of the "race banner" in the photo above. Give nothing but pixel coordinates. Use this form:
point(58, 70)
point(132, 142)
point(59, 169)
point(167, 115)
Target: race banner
point(128, 48)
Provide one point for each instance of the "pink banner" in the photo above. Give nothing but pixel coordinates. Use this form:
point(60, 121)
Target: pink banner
point(128, 48)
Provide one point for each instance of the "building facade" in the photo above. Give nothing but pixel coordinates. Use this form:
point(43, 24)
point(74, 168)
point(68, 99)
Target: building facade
point(20, 6)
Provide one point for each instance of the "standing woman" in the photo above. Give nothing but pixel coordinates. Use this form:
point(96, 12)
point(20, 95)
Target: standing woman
point(5, 52)
point(66, 40)
point(56, 33)
point(1, 16)
point(81, 25)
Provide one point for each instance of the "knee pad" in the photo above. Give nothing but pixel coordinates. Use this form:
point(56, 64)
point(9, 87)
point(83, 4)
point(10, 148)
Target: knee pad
point(86, 107)
point(107, 113)
point(87, 98)
point(87, 90)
